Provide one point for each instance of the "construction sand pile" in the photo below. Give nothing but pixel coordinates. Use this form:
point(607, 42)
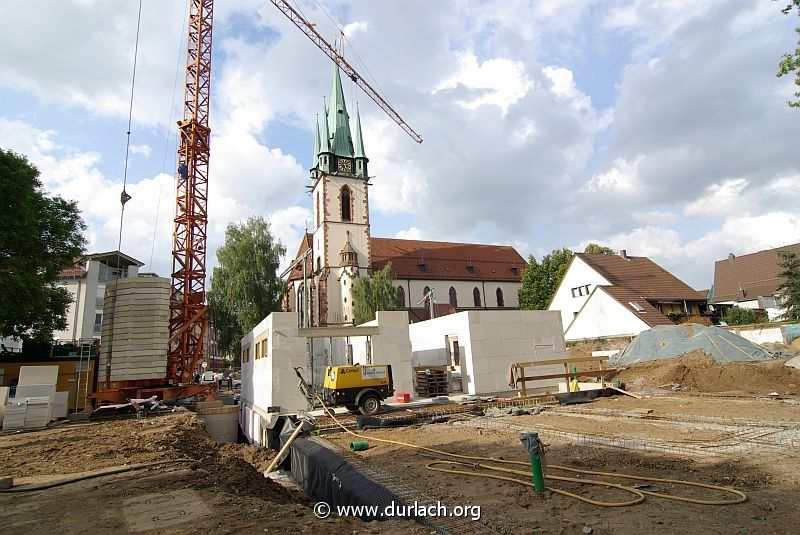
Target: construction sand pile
point(699, 372)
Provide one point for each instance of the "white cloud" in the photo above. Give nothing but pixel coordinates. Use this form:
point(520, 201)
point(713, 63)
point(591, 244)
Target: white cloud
point(655, 217)
point(412, 233)
point(622, 177)
point(143, 149)
point(722, 198)
point(563, 87)
point(354, 27)
point(498, 81)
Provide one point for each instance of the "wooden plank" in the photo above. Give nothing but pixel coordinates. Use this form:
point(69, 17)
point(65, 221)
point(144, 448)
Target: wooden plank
point(336, 332)
point(278, 458)
point(625, 392)
point(562, 361)
point(594, 373)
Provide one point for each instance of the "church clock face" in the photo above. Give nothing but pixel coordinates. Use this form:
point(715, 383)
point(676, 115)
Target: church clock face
point(345, 166)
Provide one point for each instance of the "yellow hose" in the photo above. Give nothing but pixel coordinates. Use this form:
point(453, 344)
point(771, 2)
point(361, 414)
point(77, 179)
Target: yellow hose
point(640, 494)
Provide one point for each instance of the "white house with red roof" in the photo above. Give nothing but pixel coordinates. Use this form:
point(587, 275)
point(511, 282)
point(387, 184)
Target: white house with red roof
point(612, 296)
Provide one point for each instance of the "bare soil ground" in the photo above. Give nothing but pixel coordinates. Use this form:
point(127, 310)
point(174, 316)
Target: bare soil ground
point(771, 478)
point(223, 492)
point(698, 372)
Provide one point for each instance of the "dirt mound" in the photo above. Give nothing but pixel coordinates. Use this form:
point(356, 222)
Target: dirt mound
point(699, 372)
point(235, 467)
point(70, 448)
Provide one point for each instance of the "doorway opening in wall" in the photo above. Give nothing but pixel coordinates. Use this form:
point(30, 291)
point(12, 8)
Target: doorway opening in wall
point(453, 351)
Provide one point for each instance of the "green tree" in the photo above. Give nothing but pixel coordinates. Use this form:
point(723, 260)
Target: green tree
point(39, 236)
point(594, 248)
point(790, 287)
point(371, 294)
point(790, 63)
point(540, 280)
point(740, 316)
point(245, 287)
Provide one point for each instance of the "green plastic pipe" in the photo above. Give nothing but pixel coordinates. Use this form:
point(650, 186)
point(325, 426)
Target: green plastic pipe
point(360, 445)
point(536, 454)
point(538, 475)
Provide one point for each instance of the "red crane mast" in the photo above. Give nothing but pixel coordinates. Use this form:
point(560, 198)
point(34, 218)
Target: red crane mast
point(188, 314)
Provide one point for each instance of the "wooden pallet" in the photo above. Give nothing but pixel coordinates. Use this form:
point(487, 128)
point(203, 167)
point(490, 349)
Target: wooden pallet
point(432, 383)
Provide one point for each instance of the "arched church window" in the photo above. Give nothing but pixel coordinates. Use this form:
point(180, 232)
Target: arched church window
point(426, 291)
point(319, 263)
point(476, 297)
point(401, 295)
point(453, 297)
point(346, 200)
point(500, 301)
point(318, 214)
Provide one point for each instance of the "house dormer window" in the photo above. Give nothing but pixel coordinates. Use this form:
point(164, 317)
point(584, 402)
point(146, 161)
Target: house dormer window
point(422, 266)
point(636, 306)
point(514, 270)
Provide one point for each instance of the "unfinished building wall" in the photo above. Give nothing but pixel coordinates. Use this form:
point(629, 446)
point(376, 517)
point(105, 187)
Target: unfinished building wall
point(501, 338)
point(488, 342)
point(269, 385)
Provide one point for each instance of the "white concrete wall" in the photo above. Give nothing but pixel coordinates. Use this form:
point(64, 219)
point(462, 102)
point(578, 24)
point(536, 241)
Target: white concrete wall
point(428, 339)
point(489, 341)
point(270, 381)
point(578, 274)
point(392, 345)
point(761, 335)
point(503, 337)
point(604, 317)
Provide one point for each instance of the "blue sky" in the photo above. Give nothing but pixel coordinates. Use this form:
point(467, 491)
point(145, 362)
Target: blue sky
point(654, 126)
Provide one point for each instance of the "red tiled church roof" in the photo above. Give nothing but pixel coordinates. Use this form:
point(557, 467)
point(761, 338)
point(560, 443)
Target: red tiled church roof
point(418, 259)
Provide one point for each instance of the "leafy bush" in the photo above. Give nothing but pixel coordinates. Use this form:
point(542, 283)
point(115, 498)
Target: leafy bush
point(740, 316)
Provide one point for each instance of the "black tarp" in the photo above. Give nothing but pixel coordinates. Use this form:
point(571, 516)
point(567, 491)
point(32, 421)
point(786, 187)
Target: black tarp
point(327, 477)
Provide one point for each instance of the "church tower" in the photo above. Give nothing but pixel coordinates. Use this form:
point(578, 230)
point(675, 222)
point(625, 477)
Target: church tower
point(339, 193)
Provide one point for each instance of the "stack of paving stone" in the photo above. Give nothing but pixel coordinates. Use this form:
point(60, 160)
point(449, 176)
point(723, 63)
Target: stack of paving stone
point(135, 329)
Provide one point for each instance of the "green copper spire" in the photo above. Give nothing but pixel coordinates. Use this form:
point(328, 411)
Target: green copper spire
point(324, 138)
point(338, 119)
point(315, 159)
point(359, 140)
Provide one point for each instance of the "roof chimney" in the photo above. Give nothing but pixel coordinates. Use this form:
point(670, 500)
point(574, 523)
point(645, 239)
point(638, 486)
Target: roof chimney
point(623, 253)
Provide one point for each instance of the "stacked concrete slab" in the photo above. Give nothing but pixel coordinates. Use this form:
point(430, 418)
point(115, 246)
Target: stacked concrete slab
point(33, 405)
point(135, 329)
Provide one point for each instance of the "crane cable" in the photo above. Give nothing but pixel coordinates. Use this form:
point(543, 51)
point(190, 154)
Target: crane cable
point(480, 463)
